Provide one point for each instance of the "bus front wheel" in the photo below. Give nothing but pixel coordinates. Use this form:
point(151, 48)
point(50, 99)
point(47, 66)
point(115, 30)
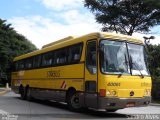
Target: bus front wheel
point(74, 101)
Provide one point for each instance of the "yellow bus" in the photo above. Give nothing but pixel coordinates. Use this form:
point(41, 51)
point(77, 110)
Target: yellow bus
point(98, 70)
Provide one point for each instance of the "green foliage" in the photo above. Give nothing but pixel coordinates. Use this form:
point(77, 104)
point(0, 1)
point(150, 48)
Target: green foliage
point(12, 44)
point(153, 52)
point(125, 16)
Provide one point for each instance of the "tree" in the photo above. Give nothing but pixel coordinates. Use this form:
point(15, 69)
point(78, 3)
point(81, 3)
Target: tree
point(153, 52)
point(154, 66)
point(12, 44)
point(125, 16)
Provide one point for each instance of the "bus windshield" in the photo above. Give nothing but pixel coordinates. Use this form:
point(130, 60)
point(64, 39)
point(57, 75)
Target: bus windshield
point(119, 57)
point(138, 62)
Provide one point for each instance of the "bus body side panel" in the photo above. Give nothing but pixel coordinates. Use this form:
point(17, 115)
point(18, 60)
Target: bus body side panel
point(49, 82)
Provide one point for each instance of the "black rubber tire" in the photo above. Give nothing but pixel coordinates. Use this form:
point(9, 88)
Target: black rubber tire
point(22, 93)
point(111, 110)
point(74, 101)
point(28, 94)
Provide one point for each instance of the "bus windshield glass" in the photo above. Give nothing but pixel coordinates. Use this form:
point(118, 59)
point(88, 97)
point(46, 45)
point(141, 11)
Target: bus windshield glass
point(119, 57)
point(138, 62)
point(114, 57)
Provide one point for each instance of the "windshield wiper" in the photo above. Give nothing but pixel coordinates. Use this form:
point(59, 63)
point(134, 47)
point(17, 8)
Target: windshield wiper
point(126, 63)
point(132, 63)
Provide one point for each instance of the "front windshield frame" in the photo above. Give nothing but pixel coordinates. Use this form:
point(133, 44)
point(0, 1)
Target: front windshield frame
point(129, 64)
point(136, 68)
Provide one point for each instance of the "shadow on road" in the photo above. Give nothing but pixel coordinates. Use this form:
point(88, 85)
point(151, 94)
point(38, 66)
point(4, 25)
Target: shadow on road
point(85, 114)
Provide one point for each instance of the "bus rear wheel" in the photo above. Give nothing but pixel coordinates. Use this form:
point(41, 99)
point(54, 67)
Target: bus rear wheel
point(28, 94)
point(111, 110)
point(22, 92)
point(74, 102)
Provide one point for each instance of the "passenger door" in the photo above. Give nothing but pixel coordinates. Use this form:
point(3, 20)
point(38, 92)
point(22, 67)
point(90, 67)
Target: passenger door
point(91, 74)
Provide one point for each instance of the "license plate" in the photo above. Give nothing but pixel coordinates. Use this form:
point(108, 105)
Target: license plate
point(130, 104)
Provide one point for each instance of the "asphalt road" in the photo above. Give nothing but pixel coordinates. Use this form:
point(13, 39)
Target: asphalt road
point(12, 106)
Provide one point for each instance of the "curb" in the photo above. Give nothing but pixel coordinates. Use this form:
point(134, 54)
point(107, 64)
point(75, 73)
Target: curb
point(4, 91)
point(154, 104)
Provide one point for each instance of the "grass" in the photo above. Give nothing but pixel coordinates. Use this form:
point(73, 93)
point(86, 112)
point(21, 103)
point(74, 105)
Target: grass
point(1, 85)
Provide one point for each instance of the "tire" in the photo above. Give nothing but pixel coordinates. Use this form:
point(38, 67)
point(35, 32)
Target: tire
point(73, 101)
point(28, 94)
point(111, 110)
point(22, 93)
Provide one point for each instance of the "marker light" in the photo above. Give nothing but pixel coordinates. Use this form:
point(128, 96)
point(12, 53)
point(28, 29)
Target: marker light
point(102, 92)
point(147, 92)
point(108, 93)
point(114, 92)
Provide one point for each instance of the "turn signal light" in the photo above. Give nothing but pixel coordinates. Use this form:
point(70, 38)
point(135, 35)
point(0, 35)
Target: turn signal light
point(114, 93)
point(147, 92)
point(102, 92)
point(108, 93)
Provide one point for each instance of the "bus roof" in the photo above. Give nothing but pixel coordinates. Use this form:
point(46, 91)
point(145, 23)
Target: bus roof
point(73, 40)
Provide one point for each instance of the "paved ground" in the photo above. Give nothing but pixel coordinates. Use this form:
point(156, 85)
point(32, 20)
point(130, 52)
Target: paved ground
point(40, 110)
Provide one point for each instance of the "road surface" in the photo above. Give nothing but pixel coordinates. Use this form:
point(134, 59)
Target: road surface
point(12, 106)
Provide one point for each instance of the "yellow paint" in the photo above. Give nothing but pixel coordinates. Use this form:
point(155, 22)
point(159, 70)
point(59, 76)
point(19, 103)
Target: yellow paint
point(74, 75)
point(127, 84)
point(39, 78)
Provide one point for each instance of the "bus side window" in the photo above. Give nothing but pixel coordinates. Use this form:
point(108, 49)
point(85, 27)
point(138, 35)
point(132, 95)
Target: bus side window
point(91, 57)
point(29, 63)
point(75, 53)
point(21, 65)
point(37, 61)
point(61, 57)
point(47, 59)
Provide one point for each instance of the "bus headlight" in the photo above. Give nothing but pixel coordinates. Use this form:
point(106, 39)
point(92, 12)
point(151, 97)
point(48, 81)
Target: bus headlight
point(108, 93)
point(111, 93)
point(147, 92)
point(114, 92)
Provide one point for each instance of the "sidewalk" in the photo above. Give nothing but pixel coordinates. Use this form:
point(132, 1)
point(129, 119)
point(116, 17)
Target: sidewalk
point(4, 91)
point(154, 104)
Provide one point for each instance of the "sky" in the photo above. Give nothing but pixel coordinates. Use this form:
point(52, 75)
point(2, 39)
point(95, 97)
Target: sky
point(45, 21)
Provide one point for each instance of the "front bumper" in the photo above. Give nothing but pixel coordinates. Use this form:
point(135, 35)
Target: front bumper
point(119, 103)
